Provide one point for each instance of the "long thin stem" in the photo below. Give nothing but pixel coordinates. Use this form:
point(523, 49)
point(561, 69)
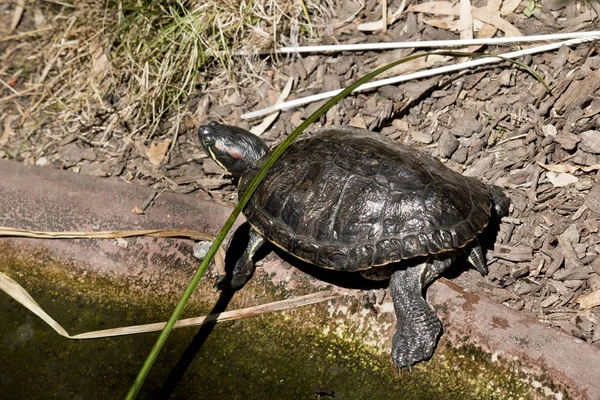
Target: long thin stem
point(420, 74)
point(277, 152)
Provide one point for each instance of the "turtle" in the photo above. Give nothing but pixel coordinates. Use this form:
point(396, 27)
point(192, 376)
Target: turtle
point(348, 199)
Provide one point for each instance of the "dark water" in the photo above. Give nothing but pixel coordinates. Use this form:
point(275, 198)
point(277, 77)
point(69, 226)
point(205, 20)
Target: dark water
point(257, 358)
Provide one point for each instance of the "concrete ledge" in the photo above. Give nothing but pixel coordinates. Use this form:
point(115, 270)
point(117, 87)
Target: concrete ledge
point(47, 199)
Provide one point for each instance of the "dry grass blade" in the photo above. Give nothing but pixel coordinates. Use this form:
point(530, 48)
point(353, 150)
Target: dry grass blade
point(19, 294)
point(173, 47)
point(164, 233)
point(567, 168)
point(16, 291)
point(25, 34)
point(17, 14)
point(233, 315)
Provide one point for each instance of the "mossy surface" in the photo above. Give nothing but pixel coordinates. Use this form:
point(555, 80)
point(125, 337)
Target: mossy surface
point(267, 357)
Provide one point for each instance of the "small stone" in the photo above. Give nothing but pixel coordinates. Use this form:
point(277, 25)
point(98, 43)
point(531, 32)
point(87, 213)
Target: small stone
point(42, 161)
point(447, 144)
point(422, 137)
point(465, 122)
point(590, 142)
point(549, 130)
point(201, 248)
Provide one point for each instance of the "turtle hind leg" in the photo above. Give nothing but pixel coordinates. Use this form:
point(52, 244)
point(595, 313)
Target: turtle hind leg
point(500, 201)
point(244, 266)
point(417, 327)
point(475, 256)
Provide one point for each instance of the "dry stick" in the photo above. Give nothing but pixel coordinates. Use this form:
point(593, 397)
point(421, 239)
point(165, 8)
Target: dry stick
point(421, 74)
point(436, 43)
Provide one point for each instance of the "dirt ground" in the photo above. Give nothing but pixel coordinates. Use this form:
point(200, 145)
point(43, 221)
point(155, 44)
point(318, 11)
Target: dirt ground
point(497, 123)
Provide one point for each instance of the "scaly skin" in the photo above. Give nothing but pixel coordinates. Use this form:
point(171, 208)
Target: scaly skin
point(417, 327)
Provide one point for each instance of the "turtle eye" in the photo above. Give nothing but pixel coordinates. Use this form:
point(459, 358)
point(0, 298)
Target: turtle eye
point(208, 141)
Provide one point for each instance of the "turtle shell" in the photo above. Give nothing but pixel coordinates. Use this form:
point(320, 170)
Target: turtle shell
point(347, 199)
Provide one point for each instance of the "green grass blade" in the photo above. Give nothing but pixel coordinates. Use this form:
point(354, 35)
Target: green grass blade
point(275, 154)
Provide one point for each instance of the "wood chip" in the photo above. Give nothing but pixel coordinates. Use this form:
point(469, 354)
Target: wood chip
point(590, 300)
point(17, 14)
point(549, 301)
point(567, 140)
point(590, 141)
point(569, 168)
point(572, 274)
point(513, 253)
point(571, 258)
point(421, 137)
point(577, 91)
point(8, 130)
point(561, 179)
point(446, 8)
point(592, 200)
point(157, 151)
point(596, 265)
point(557, 261)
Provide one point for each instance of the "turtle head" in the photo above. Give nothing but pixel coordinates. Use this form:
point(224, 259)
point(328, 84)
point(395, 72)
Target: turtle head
point(235, 149)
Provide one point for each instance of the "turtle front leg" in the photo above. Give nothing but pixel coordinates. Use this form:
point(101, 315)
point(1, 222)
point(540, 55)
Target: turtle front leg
point(244, 267)
point(417, 327)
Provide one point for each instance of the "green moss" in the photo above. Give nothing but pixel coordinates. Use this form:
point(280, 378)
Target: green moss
point(268, 357)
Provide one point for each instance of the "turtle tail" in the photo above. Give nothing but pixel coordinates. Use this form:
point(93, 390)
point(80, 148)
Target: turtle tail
point(500, 201)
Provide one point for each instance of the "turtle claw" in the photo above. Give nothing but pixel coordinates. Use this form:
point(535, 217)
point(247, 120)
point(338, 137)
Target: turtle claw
point(220, 282)
point(239, 276)
point(412, 345)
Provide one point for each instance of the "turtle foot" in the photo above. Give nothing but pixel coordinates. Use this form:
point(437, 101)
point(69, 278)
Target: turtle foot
point(415, 343)
point(417, 327)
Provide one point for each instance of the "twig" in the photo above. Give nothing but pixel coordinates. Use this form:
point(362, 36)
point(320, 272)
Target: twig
point(12, 89)
point(420, 74)
point(25, 34)
point(435, 43)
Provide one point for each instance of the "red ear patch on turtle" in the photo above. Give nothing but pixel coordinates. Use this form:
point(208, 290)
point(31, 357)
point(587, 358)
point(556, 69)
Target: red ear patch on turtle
point(229, 150)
